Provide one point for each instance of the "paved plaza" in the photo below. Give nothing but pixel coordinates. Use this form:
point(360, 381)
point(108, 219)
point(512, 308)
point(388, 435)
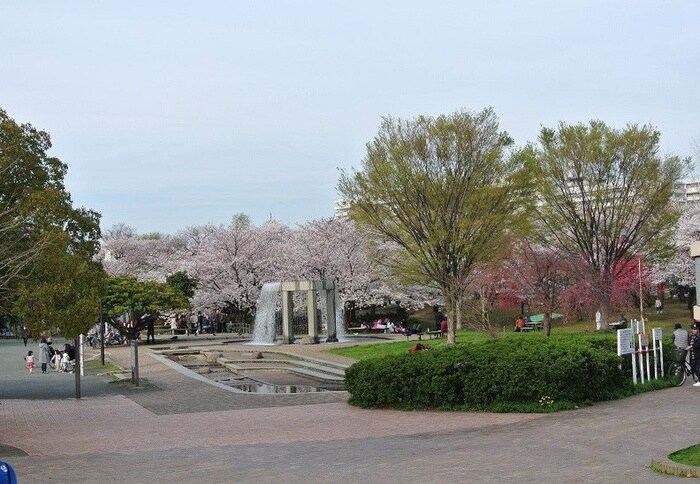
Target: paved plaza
point(180, 429)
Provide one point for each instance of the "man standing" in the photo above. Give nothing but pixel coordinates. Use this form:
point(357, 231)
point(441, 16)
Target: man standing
point(681, 340)
point(694, 347)
point(150, 325)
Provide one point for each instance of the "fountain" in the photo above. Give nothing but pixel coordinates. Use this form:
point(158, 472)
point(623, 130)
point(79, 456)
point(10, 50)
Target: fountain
point(264, 330)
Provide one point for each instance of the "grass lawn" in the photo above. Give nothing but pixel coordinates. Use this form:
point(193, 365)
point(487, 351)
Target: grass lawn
point(674, 312)
point(689, 456)
point(94, 366)
point(361, 352)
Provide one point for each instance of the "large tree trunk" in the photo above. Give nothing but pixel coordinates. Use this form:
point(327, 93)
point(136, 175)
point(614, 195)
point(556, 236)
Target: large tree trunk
point(458, 314)
point(547, 323)
point(606, 284)
point(484, 314)
point(451, 315)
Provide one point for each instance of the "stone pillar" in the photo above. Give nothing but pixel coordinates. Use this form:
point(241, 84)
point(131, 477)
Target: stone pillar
point(311, 316)
point(695, 254)
point(287, 317)
point(330, 314)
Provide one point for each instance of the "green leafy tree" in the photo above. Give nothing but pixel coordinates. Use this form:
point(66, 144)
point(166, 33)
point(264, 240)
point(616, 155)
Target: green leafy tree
point(605, 196)
point(62, 293)
point(182, 283)
point(444, 192)
point(46, 242)
point(125, 296)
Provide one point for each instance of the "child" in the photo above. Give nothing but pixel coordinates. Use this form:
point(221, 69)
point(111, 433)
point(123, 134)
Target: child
point(30, 361)
point(65, 361)
point(56, 361)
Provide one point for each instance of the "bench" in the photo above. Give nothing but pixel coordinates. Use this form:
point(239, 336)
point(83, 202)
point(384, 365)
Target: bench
point(168, 330)
point(437, 334)
point(622, 324)
point(416, 329)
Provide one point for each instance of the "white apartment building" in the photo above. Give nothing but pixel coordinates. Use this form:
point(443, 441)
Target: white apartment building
point(687, 192)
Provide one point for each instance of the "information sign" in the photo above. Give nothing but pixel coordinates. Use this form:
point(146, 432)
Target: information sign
point(625, 341)
point(644, 340)
point(658, 334)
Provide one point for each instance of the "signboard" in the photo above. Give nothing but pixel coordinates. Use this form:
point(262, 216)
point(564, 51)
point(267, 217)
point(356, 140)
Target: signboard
point(658, 334)
point(644, 340)
point(625, 341)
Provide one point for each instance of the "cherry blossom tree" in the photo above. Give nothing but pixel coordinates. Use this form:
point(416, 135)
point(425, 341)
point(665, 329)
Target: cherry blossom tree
point(232, 263)
point(679, 269)
point(491, 284)
point(541, 275)
point(331, 248)
point(145, 257)
point(334, 248)
point(582, 297)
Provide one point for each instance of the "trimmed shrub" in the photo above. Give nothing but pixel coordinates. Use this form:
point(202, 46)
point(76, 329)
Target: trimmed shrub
point(528, 370)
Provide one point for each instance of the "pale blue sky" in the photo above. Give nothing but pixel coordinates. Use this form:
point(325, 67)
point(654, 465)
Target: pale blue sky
point(178, 113)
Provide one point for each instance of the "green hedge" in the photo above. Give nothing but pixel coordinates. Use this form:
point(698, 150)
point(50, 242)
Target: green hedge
point(569, 370)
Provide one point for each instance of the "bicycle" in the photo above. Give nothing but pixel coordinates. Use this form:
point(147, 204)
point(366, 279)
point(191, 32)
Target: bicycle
point(678, 371)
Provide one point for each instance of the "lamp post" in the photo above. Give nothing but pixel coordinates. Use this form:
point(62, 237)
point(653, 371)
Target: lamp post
point(102, 336)
point(641, 300)
point(78, 357)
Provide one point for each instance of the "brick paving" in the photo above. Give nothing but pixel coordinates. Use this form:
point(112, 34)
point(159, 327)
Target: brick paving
point(178, 429)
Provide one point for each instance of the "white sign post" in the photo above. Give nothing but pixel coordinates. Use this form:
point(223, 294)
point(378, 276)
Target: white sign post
point(625, 346)
point(658, 336)
point(81, 361)
point(644, 350)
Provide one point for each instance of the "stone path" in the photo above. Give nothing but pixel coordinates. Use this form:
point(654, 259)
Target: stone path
point(177, 429)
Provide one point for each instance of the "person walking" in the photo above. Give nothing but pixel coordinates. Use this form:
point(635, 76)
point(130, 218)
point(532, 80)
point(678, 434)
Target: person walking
point(694, 348)
point(200, 322)
point(24, 335)
point(150, 333)
point(659, 305)
point(193, 323)
point(43, 354)
point(29, 361)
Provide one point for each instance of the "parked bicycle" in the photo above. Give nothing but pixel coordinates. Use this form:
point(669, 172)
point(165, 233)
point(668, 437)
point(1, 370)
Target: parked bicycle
point(678, 371)
point(111, 338)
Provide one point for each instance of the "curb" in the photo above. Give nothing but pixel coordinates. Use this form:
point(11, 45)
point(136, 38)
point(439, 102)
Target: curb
point(667, 466)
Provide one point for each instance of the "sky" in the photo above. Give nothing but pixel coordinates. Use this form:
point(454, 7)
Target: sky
point(172, 114)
